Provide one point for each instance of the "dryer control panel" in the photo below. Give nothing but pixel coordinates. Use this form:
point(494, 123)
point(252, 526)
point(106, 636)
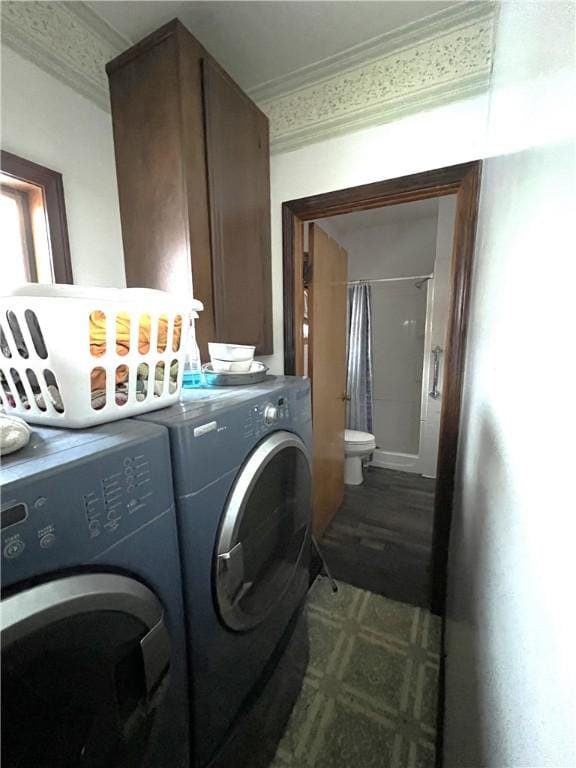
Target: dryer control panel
point(269, 413)
point(212, 442)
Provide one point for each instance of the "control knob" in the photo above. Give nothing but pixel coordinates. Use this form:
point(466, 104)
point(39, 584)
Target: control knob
point(270, 414)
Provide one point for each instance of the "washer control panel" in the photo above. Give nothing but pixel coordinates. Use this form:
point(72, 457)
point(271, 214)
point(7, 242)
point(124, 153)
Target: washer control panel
point(117, 496)
point(82, 508)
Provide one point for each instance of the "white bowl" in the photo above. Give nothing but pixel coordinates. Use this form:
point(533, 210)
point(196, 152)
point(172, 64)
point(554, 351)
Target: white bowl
point(231, 352)
point(231, 366)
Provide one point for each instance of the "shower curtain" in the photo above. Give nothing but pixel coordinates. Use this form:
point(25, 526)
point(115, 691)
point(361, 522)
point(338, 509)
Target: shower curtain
point(359, 374)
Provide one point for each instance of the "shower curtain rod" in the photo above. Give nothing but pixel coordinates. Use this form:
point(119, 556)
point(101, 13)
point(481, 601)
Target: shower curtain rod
point(389, 279)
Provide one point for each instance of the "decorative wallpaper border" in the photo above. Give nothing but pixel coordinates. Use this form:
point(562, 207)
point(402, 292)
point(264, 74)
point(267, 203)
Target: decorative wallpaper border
point(437, 60)
point(67, 40)
point(451, 65)
point(409, 35)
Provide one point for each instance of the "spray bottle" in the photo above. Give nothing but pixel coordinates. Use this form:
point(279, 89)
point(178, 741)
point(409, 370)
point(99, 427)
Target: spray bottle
point(192, 377)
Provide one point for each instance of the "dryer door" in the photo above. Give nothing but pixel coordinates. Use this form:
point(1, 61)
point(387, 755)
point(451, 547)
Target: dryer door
point(264, 531)
point(84, 662)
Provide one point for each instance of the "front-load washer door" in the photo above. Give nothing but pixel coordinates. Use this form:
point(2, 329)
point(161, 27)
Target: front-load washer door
point(84, 665)
point(264, 531)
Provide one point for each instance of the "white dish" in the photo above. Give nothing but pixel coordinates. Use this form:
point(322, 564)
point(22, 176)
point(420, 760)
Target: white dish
point(231, 352)
point(231, 366)
point(256, 374)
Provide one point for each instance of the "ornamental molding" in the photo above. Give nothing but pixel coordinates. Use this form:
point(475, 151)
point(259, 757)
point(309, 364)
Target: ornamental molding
point(65, 39)
point(379, 47)
point(442, 58)
point(445, 66)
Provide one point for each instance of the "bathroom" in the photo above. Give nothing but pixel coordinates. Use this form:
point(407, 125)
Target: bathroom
point(398, 277)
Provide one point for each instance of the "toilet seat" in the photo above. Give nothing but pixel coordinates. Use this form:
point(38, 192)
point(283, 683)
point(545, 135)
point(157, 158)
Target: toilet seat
point(358, 440)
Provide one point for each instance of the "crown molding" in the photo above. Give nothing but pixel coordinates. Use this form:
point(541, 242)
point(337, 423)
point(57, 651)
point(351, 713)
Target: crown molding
point(445, 66)
point(376, 48)
point(442, 58)
point(67, 40)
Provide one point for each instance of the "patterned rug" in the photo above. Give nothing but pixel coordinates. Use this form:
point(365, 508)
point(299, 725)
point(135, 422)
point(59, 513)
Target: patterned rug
point(369, 696)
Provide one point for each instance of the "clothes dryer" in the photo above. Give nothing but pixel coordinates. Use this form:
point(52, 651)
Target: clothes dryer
point(242, 480)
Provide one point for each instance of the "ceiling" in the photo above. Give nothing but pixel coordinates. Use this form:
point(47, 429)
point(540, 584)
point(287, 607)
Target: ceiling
point(401, 213)
point(262, 42)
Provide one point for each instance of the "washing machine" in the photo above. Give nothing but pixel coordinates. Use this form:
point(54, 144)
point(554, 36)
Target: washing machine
point(242, 480)
point(92, 628)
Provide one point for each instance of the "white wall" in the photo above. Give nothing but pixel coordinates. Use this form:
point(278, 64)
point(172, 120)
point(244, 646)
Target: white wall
point(510, 675)
point(45, 121)
point(395, 249)
point(444, 136)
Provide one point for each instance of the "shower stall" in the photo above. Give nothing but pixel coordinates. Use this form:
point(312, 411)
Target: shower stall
point(409, 271)
point(407, 357)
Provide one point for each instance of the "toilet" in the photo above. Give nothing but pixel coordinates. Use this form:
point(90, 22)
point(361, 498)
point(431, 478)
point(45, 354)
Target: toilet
point(357, 445)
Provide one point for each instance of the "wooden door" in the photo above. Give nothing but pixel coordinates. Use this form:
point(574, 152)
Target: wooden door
point(327, 370)
point(237, 147)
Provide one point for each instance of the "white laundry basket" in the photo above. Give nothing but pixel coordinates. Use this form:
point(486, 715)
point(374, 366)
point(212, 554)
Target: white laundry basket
point(74, 357)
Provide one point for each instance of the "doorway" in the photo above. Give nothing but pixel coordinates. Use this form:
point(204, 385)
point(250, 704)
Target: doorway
point(460, 181)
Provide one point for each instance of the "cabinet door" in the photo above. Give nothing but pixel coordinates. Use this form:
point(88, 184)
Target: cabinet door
point(145, 97)
point(158, 121)
point(237, 148)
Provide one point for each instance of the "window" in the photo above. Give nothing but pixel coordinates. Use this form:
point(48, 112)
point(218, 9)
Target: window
point(33, 231)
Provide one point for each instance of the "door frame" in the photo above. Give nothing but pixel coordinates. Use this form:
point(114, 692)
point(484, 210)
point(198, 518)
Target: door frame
point(464, 181)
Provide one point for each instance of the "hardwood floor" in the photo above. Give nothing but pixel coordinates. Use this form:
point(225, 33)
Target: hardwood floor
point(381, 537)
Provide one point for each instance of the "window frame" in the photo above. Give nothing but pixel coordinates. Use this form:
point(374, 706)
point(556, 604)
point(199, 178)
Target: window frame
point(21, 199)
point(53, 189)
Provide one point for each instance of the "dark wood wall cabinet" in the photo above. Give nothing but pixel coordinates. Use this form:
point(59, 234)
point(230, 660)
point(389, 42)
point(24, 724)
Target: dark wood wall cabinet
point(193, 167)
